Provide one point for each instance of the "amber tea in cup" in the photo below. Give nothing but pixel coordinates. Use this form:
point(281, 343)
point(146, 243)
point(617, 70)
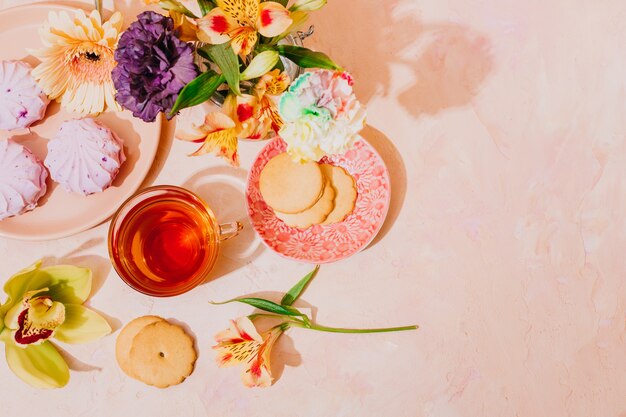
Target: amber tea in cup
point(165, 240)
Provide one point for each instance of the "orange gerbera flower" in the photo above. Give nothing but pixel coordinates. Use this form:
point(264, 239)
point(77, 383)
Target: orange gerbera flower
point(239, 21)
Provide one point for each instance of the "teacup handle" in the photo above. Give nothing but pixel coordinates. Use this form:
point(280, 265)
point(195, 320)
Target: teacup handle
point(229, 230)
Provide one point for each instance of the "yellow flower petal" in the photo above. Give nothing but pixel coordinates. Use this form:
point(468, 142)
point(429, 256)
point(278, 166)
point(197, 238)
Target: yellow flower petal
point(187, 29)
point(243, 41)
point(81, 325)
point(40, 366)
point(240, 10)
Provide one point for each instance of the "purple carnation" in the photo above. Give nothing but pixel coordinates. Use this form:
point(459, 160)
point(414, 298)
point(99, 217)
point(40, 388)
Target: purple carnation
point(153, 66)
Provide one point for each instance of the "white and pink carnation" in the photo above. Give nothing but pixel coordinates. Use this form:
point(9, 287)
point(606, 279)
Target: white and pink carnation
point(322, 115)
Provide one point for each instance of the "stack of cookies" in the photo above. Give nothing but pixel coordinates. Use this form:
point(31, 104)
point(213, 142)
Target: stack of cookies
point(307, 194)
point(155, 352)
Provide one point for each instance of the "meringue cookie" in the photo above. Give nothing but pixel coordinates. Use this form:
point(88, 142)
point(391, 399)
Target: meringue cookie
point(22, 102)
point(85, 156)
point(22, 179)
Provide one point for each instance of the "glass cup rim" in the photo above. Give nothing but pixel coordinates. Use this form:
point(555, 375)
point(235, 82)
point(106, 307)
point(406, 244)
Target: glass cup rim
point(137, 199)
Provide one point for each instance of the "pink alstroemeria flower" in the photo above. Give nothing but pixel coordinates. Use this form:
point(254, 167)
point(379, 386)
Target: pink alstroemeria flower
point(239, 21)
point(242, 343)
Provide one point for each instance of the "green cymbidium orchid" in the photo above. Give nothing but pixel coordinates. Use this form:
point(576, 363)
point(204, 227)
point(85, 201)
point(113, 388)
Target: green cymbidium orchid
point(46, 303)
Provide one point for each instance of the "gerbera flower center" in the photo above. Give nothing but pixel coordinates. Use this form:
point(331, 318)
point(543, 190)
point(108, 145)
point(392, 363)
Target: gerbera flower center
point(91, 63)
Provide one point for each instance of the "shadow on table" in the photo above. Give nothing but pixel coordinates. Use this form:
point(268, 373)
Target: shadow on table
point(426, 66)
point(397, 173)
point(100, 268)
point(165, 145)
point(223, 188)
point(74, 363)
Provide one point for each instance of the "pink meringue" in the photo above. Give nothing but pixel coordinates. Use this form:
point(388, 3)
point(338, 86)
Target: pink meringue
point(22, 179)
point(85, 156)
point(22, 102)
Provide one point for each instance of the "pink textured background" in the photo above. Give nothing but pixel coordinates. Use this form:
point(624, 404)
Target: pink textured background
point(504, 125)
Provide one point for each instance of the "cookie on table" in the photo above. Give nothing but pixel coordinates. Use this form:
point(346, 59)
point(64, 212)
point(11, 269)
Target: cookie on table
point(125, 341)
point(345, 192)
point(162, 355)
point(315, 215)
point(290, 187)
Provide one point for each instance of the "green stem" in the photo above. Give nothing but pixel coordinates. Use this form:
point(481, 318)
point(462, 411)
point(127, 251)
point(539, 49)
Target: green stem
point(342, 330)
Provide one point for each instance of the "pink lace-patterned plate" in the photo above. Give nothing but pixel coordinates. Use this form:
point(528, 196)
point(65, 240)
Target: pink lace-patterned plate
point(325, 243)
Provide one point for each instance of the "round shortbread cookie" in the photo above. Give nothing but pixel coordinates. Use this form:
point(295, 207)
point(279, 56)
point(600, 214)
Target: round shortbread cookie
point(291, 187)
point(162, 355)
point(315, 215)
point(345, 192)
point(125, 341)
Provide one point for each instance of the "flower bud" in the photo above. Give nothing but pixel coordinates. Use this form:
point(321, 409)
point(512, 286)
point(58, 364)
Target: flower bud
point(260, 65)
point(307, 5)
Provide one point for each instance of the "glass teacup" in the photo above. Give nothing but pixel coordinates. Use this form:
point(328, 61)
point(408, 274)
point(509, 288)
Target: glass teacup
point(164, 240)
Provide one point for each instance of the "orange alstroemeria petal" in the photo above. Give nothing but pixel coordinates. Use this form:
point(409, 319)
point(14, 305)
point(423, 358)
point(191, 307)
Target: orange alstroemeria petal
point(216, 26)
point(242, 11)
point(273, 83)
point(243, 40)
point(221, 139)
point(269, 112)
point(188, 30)
point(244, 110)
point(273, 19)
point(258, 373)
point(221, 143)
point(238, 343)
point(191, 123)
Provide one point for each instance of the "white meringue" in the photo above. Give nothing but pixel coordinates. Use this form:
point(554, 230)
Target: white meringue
point(22, 101)
point(22, 179)
point(85, 156)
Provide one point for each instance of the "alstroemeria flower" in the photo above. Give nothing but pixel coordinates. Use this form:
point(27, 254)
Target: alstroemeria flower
point(187, 29)
point(239, 21)
point(220, 131)
point(46, 303)
point(267, 90)
point(242, 343)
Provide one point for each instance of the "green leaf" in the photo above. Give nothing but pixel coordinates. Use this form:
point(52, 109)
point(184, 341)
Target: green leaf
point(205, 6)
point(225, 58)
point(292, 295)
point(283, 2)
point(266, 305)
point(198, 91)
point(81, 325)
point(307, 58)
point(40, 366)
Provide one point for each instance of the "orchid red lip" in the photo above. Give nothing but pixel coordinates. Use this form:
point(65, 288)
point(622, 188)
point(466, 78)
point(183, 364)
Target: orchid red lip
point(46, 303)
